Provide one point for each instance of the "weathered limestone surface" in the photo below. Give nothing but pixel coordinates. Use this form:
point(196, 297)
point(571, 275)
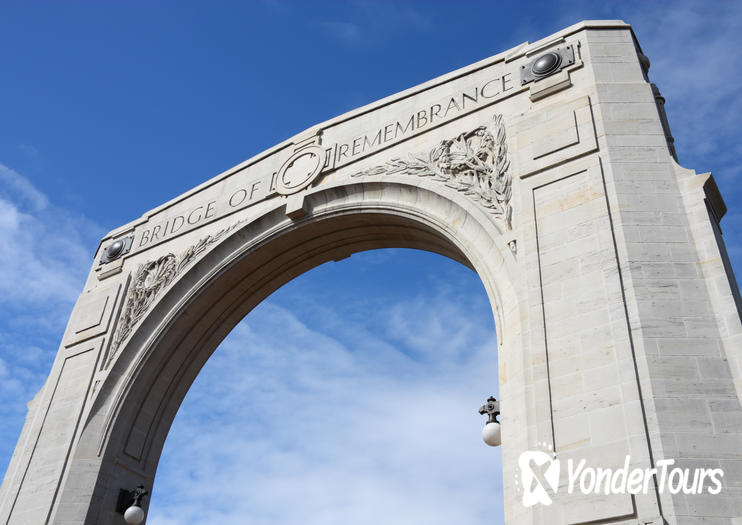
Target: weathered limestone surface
point(617, 313)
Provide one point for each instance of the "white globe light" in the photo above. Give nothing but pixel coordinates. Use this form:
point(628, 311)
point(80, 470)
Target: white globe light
point(134, 515)
point(491, 434)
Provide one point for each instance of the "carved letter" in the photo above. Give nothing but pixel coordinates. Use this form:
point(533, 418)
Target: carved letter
point(177, 227)
point(399, 130)
point(375, 142)
point(388, 129)
point(464, 96)
point(356, 147)
point(253, 188)
point(505, 81)
point(422, 119)
point(343, 150)
point(191, 220)
point(488, 84)
point(451, 103)
point(237, 197)
point(145, 238)
point(435, 113)
point(209, 210)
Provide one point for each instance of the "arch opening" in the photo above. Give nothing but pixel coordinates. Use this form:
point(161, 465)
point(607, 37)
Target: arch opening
point(162, 357)
point(357, 404)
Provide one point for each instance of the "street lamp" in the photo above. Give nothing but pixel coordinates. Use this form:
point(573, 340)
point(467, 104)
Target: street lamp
point(129, 504)
point(491, 430)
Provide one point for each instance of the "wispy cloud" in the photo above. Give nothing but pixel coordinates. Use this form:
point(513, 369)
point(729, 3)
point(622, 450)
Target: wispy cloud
point(14, 186)
point(346, 31)
point(46, 250)
point(29, 150)
point(367, 22)
point(412, 16)
point(357, 427)
point(46, 253)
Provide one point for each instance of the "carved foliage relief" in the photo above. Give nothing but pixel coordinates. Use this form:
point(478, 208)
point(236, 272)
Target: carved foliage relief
point(151, 278)
point(474, 163)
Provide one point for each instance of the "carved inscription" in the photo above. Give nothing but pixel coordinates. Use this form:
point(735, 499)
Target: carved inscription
point(245, 195)
point(268, 177)
point(474, 163)
point(447, 109)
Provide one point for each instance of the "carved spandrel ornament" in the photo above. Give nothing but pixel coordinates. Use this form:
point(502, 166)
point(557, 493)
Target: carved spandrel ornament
point(474, 163)
point(151, 278)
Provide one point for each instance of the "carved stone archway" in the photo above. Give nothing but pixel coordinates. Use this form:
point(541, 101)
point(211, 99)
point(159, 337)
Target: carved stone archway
point(549, 170)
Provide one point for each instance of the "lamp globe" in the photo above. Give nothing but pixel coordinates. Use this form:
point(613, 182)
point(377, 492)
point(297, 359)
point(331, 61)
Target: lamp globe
point(134, 515)
point(491, 434)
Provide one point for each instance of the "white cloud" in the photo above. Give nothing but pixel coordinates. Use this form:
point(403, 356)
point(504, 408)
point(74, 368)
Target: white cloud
point(46, 250)
point(287, 424)
point(46, 253)
point(13, 183)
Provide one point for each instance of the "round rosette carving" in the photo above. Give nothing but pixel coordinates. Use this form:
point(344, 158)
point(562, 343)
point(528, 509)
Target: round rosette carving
point(300, 170)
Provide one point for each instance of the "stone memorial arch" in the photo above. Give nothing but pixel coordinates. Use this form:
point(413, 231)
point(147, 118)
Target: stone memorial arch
point(548, 169)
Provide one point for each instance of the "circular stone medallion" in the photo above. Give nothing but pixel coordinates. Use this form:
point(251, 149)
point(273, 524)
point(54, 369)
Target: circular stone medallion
point(300, 170)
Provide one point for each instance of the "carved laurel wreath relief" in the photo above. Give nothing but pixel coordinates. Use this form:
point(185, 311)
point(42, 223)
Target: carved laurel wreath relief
point(474, 163)
point(154, 276)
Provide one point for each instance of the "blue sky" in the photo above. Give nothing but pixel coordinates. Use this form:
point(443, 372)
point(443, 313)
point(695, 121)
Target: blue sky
point(350, 394)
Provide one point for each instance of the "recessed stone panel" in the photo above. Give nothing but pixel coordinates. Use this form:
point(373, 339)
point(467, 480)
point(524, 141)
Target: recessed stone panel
point(554, 135)
point(565, 135)
point(573, 234)
point(92, 314)
point(54, 442)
